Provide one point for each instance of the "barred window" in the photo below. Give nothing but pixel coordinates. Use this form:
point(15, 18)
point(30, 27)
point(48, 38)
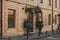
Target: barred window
point(11, 18)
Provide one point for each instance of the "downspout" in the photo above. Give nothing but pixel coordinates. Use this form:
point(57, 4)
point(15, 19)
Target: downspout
point(1, 18)
point(52, 16)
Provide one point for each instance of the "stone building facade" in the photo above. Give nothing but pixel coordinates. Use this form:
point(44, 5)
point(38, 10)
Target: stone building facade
point(10, 7)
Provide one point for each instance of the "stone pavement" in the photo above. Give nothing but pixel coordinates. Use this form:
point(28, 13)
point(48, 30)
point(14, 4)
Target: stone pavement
point(52, 37)
point(31, 36)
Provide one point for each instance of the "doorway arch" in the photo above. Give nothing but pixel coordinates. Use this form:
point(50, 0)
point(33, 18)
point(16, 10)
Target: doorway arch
point(38, 13)
point(39, 16)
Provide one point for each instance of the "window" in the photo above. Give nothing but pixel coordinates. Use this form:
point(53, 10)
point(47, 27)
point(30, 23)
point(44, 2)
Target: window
point(59, 4)
point(55, 19)
point(11, 18)
point(49, 19)
point(49, 2)
point(41, 1)
point(32, 0)
point(55, 3)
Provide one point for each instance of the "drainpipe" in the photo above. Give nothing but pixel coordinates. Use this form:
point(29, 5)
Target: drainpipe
point(52, 16)
point(1, 18)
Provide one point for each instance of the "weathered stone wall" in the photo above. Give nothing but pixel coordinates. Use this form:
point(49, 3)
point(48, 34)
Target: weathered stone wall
point(21, 16)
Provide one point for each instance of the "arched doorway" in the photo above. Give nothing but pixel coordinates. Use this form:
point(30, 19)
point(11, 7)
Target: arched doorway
point(30, 18)
point(39, 18)
point(38, 13)
point(29, 11)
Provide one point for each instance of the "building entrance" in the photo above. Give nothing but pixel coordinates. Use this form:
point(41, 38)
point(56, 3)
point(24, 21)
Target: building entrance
point(35, 11)
point(30, 18)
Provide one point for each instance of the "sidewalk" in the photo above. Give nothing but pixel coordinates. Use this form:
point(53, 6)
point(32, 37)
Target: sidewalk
point(42, 35)
point(31, 36)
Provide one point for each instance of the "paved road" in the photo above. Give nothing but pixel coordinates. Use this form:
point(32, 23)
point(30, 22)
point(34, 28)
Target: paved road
point(32, 37)
point(53, 37)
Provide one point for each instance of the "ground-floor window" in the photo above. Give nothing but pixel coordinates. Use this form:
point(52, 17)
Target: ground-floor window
point(55, 19)
point(11, 18)
point(49, 19)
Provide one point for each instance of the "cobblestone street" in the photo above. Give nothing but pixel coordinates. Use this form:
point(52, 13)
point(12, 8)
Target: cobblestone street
point(34, 36)
point(53, 37)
